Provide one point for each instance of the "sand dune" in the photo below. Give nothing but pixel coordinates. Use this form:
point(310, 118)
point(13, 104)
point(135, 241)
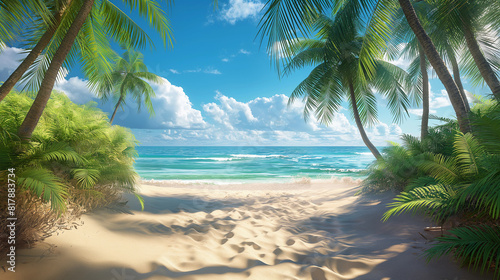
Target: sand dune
point(303, 230)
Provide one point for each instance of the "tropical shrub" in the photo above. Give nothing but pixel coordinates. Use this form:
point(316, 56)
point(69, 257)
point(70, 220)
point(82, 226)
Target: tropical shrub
point(75, 160)
point(399, 165)
point(465, 185)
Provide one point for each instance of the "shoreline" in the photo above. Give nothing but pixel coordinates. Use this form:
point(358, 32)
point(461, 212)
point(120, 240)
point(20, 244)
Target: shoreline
point(299, 180)
point(312, 231)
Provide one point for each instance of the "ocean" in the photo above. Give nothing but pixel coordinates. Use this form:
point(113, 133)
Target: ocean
point(250, 164)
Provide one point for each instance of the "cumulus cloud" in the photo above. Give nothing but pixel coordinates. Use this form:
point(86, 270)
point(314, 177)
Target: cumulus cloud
point(439, 100)
point(174, 71)
point(225, 60)
point(171, 104)
point(243, 51)
point(266, 121)
point(76, 89)
point(238, 10)
point(10, 58)
point(173, 110)
point(436, 101)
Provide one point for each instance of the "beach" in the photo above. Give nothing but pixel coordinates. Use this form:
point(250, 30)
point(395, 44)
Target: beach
point(298, 230)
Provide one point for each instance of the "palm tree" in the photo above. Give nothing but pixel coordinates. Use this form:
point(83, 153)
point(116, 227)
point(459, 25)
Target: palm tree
point(106, 18)
point(448, 45)
point(35, 52)
point(115, 23)
point(284, 19)
point(336, 57)
point(469, 19)
point(130, 76)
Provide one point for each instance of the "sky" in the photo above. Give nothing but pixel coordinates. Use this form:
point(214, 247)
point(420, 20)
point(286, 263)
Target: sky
point(221, 88)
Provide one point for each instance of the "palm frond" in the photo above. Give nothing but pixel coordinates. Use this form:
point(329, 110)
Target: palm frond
point(476, 246)
point(46, 185)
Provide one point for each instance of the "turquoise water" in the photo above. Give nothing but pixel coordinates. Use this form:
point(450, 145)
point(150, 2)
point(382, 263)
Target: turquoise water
point(249, 164)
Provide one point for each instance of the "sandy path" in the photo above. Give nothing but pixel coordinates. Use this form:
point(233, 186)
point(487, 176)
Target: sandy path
point(267, 231)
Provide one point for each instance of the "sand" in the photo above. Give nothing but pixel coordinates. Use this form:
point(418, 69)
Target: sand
point(303, 230)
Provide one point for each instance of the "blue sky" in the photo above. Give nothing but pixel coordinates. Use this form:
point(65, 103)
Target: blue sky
point(221, 88)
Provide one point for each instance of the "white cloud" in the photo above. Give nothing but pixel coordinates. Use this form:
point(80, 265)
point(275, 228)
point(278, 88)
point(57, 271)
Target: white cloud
point(395, 130)
point(420, 112)
point(243, 51)
point(436, 101)
point(76, 89)
point(10, 58)
point(267, 121)
point(174, 71)
point(439, 100)
point(172, 106)
point(211, 70)
point(225, 60)
point(238, 10)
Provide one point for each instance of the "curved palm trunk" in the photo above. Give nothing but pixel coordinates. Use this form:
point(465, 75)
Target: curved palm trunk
point(116, 109)
point(484, 67)
point(425, 94)
point(438, 65)
point(458, 80)
point(31, 120)
point(367, 142)
point(9, 84)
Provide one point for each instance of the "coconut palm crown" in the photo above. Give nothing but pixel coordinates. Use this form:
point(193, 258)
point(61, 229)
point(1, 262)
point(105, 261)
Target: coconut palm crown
point(130, 77)
point(335, 53)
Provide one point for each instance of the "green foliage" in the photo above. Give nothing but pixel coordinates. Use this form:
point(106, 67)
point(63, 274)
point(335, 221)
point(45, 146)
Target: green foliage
point(92, 49)
point(73, 151)
point(336, 53)
point(400, 165)
point(465, 185)
point(129, 77)
point(394, 171)
point(477, 246)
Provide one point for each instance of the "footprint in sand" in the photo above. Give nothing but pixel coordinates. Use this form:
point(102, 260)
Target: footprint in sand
point(237, 248)
point(312, 239)
point(195, 235)
point(254, 245)
point(226, 237)
point(290, 242)
point(317, 274)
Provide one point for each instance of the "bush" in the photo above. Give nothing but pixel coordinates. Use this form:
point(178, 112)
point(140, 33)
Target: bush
point(399, 165)
point(465, 185)
point(75, 161)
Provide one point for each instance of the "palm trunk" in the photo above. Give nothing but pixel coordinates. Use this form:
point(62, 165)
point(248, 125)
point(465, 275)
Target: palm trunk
point(425, 94)
point(438, 65)
point(28, 126)
point(484, 67)
point(116, 109)
point(456, 77)
point(9, 84)
point(367, 142)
